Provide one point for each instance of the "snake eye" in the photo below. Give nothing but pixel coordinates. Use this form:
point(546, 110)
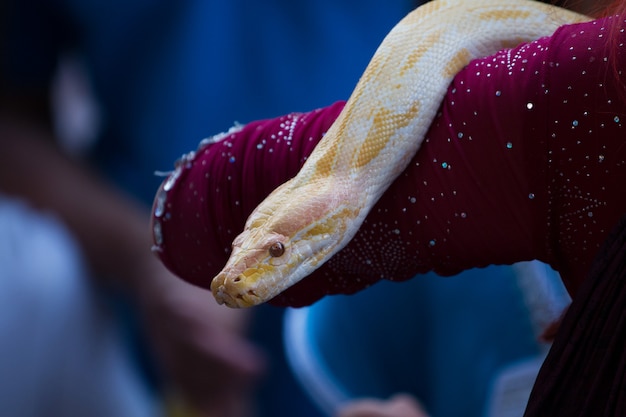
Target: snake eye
point(277, 249)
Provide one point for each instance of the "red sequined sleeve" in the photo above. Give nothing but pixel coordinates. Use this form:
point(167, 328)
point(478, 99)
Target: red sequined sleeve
point(525, 160)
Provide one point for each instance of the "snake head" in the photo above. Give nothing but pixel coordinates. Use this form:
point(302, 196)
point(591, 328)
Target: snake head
point(255, 256)
point(263, 264)
point(279, 247)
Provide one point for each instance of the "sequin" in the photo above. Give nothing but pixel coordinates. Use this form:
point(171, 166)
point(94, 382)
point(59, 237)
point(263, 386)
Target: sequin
point(157, 232)
point(237, 127)
point(171, 180)
point(159, 206)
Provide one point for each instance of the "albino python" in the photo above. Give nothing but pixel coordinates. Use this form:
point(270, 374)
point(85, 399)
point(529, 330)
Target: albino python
point(305, 221)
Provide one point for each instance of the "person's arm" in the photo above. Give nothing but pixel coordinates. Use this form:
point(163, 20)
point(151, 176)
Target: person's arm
point(524, 161)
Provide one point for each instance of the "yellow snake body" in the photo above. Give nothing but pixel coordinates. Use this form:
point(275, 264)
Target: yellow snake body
point(308, 219)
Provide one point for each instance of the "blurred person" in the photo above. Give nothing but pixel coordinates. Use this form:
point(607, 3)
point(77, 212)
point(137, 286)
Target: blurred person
point(192, 348)
point(163, 74)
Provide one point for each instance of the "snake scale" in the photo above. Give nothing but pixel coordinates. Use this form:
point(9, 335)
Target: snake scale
point(308, 219)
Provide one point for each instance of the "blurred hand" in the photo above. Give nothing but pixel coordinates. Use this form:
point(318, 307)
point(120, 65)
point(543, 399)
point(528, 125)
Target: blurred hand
point(401, 405)
point(200, 345)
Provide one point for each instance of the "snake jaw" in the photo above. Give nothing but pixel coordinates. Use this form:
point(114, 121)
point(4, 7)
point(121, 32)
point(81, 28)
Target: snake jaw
point(227, 290)
point(238, 286)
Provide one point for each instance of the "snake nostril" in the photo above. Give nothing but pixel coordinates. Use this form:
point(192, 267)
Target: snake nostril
point(237, 279)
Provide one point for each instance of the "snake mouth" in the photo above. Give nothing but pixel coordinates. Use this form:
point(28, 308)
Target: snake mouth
point(234, 291)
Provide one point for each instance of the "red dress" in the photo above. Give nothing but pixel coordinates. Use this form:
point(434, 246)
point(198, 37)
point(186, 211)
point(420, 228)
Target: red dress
point(525, 160)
